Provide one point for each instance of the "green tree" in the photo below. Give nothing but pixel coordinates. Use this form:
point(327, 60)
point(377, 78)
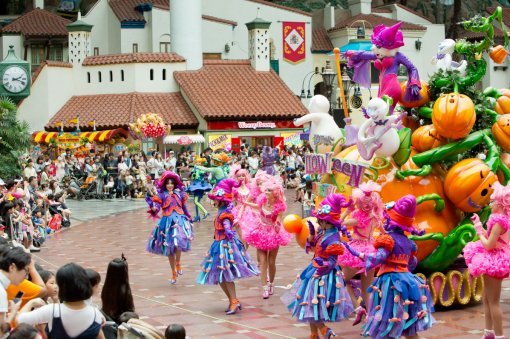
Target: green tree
point(14, 139)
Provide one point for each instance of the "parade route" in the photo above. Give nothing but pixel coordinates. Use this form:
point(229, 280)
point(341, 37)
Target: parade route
point(103, 230)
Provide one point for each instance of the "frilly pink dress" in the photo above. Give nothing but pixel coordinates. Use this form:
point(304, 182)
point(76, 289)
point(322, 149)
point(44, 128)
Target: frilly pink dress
point(243, 216)
point(266, 232)
point(362, 241)
point(494, 263)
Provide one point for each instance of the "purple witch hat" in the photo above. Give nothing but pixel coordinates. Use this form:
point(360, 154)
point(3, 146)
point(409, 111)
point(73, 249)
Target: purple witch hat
point(388, 37)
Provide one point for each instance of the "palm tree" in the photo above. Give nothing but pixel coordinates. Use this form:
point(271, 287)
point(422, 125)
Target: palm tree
point(14, 139)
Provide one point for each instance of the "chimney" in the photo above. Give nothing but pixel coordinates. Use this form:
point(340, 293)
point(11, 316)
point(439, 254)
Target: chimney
point(258, 44)
point(38, 4)
point(360, 7)
point(329, 16)
point(186, 31)
point(79, 41)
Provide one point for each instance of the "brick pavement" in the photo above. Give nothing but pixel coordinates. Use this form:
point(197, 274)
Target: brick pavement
point(93, 243)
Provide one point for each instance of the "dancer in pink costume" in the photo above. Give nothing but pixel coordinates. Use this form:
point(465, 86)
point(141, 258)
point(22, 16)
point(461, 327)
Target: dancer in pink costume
point(243, 210)
point(367, 216)
point(385, 51)
point(489, 257)
point(266, 232)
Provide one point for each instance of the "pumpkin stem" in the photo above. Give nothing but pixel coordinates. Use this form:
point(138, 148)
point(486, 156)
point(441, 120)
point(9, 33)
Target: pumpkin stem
point(456, 88)
point(444, 152)
point(433, 196)
point(492, 159)
point(420, 172)
point(492, 92)
point(505, 170)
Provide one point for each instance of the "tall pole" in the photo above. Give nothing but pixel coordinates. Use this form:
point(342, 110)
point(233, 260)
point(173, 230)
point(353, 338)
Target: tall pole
point(339, 78)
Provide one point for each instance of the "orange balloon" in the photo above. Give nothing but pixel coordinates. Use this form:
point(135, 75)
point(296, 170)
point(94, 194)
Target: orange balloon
point(293, 223)
point(302, 236)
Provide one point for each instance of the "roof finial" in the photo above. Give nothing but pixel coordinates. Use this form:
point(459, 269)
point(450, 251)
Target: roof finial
point(258, 11)
point(79, 15)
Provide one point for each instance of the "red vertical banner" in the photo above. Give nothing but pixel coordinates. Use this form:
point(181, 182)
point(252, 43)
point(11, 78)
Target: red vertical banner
point(294, 50)
point(236, 145)
point(279, 142)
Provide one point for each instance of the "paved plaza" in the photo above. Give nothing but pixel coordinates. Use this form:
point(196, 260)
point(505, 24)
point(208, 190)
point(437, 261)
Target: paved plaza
point(102, 230)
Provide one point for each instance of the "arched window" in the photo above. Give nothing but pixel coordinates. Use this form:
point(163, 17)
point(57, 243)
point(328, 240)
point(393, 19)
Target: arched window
point(88, 77)
point(99, 76)
point(122, 75)
point(164, 74)
point(152, 74)
point(111, 76)
point(164, 43)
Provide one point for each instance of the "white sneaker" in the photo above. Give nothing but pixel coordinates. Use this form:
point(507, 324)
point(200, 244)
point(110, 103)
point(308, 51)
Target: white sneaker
point(32, 248)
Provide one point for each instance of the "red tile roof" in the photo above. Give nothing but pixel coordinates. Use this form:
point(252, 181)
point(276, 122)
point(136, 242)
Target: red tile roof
point(290, 9)
point(118, 110)
point(127, 58)
point(38, 22)
point(375, 20)
point(468, 35)
point(125, 10)
point(381, 10)
point(321, 41)
point(238, 92)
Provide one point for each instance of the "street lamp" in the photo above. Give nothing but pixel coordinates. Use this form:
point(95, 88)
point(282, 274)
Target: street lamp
point(328, 76)
point(311, 74)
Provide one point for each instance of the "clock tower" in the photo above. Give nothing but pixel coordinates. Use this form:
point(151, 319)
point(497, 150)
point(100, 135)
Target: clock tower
point(15, 77)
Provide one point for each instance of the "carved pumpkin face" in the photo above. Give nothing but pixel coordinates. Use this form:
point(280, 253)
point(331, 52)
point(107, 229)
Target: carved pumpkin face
point(502, 105)
point(501, 131)
point(468, 185)
point(453, 115)
point(424, 96)
point(426, 137)
point(498, 54)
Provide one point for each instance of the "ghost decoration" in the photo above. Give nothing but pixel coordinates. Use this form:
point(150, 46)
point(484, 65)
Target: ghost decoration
point(443, 59)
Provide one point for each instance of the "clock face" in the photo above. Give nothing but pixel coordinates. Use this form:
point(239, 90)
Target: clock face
point(15, 79)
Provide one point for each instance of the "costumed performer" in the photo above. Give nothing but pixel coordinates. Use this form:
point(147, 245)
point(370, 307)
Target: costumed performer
point(269, 157)
point(219, 169)
point(489, 257)
point(198, 187)
point(319, 294)
point(266, 233)
point(400, 303)
point(174, 232)
point(367, 216)
point(227, 259)
point(385, 51)
point(243, 211)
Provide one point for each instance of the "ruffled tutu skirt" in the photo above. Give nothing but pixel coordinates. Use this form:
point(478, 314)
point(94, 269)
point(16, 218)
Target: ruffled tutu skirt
point(390, 314)
point(248, 217)
point(265, 237)
point(320, 299)
point(349, 260)
point(494, 263)
point(199, 187)
point(226, 261)
point(173, 232)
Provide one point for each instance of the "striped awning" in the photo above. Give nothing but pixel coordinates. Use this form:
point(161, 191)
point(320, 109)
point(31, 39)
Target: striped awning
point(184, 139)
point(44, 137)
point(101, 136)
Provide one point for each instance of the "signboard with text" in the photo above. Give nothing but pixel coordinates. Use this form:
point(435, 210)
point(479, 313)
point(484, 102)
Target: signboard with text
point(220, 141)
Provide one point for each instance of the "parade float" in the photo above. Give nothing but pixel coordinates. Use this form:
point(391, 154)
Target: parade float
point(446, 142)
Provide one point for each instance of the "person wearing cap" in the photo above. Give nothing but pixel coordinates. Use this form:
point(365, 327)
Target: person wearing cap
point(408, 310)
point(319, 294)
point(227, 259)
point(174, 231)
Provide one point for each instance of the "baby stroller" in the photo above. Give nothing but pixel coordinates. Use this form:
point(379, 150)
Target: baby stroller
point(89, 188)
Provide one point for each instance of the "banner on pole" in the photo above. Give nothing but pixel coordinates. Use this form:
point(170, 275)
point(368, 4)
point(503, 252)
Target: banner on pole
point(294, 50)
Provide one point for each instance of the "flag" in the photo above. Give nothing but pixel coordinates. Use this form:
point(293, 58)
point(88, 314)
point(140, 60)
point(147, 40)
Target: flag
point(74, 121)
point(294, 49)
point(59, 124)
point(93, 124)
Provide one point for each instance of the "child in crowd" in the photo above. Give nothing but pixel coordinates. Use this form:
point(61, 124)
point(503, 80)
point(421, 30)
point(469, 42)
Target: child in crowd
point(116, 295)
point(109, 188)
point(319, 294)
point(95, 279)
point(175, 331)
point(51, 287)
point(226, 259)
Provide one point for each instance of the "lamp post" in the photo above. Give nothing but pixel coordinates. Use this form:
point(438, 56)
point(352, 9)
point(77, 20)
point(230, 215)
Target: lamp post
point(311, 74)
point(328, 76)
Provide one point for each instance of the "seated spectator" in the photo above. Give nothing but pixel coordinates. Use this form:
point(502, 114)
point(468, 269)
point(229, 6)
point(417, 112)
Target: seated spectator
point(24, 331)
point(73, 318)
point(50, 282)
point(175, 331)
point(14, 267)
point(95, 280)
point(116, 295)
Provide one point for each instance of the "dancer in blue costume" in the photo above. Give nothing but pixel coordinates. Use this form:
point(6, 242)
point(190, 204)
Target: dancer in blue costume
point(226, 259)
point(198, 187)
point(174, 232)
point(319, 294)
point(400, 303)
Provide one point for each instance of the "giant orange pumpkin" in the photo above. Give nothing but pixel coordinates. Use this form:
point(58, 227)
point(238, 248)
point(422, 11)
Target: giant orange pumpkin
point(393, 189)
point(425, 138)
point(468, 184)
point(502, 105)
point(498, 54)
point(501, 131)
point(424, 95)
point(453, 115)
